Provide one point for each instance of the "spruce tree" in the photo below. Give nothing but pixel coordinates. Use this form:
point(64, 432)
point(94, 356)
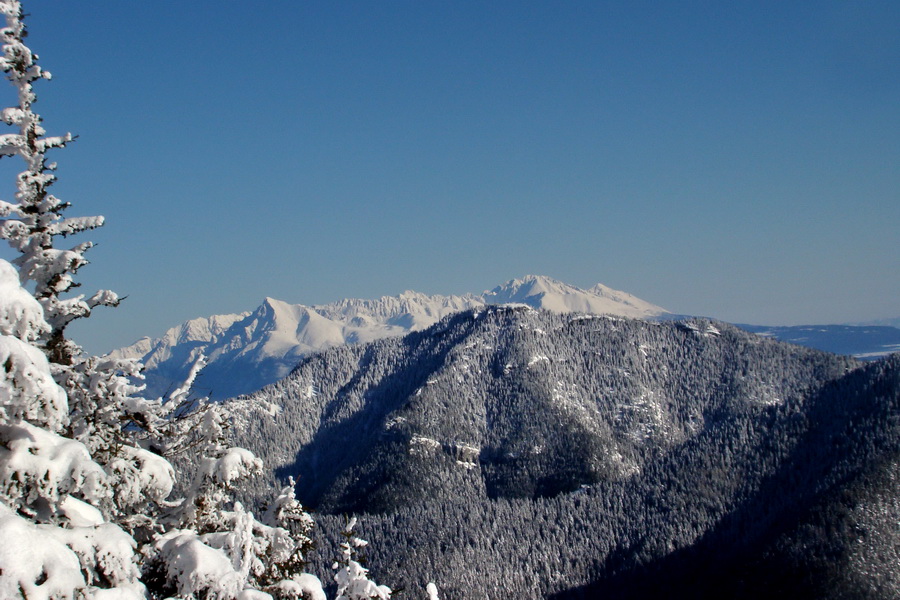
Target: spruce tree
point(85, 472)
point(35, 221)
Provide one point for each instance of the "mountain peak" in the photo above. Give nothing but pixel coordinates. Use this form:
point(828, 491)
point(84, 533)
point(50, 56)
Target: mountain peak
point(277, 313)
point(274, 303)
point(536, 282)
point(248, 351)
point(540, 291)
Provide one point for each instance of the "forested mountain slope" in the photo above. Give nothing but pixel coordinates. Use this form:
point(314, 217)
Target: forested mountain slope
point(541, 453)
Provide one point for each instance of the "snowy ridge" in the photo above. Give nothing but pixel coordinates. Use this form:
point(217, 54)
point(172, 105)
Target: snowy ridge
point(550, 294)
point(249, 350)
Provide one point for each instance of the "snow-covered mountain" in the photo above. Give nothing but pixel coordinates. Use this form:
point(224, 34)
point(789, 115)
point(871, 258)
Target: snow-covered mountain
point(556, 296)
point(686, 459)
point(249, 350)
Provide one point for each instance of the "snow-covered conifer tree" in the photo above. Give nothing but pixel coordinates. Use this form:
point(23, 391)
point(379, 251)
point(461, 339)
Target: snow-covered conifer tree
point(35, 220)
point(55, 500)
point(85, 480)
point(99, 392)
point(351, 577)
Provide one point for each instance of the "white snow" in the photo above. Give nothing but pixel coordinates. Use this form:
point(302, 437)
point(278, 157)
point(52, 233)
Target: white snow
point(537, 359)
point(21, 316)
point(79, 513)
point(106, 554)
point(140, 475)
point(278, 334)
point(300, 585)
point(351, 577)
point(237, 463)
point(544, 292)
point(41, 464)
point(432, 591)
point(37, 564)
point(192, 565)
point(27, 389)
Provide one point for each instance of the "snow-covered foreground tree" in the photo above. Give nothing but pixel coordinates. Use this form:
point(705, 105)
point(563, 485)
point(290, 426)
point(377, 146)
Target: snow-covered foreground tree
point(86, 519)
point(352, 578)
point(86, 483)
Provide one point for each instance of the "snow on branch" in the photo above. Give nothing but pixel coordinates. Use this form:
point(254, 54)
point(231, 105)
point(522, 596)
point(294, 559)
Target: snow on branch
point(85, 477)
point(32, 223)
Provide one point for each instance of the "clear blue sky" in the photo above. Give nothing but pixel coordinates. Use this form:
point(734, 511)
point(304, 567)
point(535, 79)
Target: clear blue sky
point(737, 160)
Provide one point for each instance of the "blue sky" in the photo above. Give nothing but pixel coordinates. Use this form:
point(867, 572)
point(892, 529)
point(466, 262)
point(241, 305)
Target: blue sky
point(737, 160)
